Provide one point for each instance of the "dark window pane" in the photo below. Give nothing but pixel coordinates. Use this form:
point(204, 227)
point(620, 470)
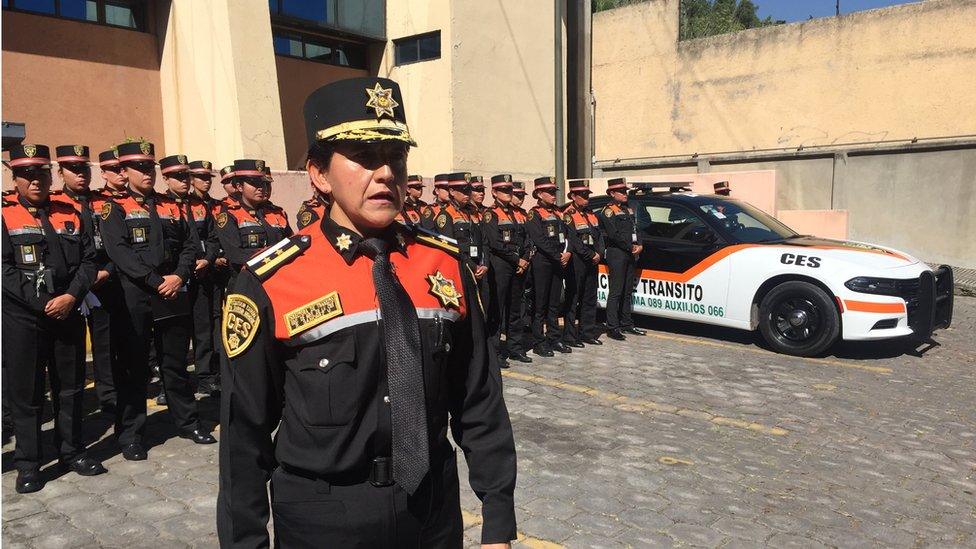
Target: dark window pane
point(406, 51)
point(312, 10)
point(40, 6)
point(430, 46)
point(273, 6)
point(121, 16)
point(287, 45)
point(352, 56)
point(75, 9)
point(318, 52)
point(5, 3)
point(91, 10)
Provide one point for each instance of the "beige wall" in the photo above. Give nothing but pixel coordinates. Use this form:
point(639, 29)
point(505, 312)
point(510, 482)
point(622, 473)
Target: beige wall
point(219, 82)
point(74, 82)
point(297, 78)
point(894, 73)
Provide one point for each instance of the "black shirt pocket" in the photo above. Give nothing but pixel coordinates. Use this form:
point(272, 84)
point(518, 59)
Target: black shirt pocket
point(329, 381)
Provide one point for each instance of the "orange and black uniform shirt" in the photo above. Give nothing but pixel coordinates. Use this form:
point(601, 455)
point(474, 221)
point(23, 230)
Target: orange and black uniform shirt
point(307, 358)
point(619, 226)
point(244, 231)
point(199, 215)
point(504, 228)
point(29, 249)
point(585, 237)
point(547, 231)
point(310, 211)
point(413, 212)
point(147, 238)
point(89, 205)
point(458, 225)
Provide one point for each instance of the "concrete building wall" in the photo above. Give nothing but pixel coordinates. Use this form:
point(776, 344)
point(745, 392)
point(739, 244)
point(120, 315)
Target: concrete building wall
point(297, 78)
point(220, 82)
point(74, 82)
point(895, 73)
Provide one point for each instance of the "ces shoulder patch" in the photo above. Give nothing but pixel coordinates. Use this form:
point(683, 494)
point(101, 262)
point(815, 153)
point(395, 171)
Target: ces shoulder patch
point(106, 210)
point(221, 219)
point(442, 221)
point(240, 324)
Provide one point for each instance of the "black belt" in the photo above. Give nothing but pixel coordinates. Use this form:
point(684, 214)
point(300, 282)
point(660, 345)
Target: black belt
point(380, 474)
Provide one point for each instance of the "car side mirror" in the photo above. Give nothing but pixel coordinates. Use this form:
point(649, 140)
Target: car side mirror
point(701, 235)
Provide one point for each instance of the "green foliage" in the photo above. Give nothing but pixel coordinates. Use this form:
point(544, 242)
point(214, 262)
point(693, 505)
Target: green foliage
point(700, 18)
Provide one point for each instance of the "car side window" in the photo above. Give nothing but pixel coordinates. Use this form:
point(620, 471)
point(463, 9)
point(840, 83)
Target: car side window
point(671, 221)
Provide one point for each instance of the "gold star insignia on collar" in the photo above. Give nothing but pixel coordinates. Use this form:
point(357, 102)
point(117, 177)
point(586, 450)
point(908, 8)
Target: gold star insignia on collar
point(443, 288)
point(343, 242)
point(381, 100)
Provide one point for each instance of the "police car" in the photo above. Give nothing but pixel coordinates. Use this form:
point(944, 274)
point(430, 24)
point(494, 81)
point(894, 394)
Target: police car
point(717, 260)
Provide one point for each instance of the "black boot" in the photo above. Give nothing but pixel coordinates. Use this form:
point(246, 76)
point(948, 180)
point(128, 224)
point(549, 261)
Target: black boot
point(29, 481)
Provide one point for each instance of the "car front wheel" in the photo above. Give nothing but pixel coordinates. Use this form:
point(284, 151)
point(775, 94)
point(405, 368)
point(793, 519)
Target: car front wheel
point(799, 319)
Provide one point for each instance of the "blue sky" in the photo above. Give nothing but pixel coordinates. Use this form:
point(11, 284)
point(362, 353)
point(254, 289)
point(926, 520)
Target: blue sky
point(801, 10)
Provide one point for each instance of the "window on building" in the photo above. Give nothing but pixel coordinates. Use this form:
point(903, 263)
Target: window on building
point(117, 13)
point(421, 47)
point(366, 18)
point(319, 49)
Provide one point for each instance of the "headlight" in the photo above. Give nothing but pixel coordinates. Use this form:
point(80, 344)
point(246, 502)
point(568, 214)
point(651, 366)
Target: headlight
point(872, 285)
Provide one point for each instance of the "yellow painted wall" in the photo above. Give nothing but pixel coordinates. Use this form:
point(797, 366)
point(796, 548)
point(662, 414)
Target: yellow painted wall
point(894, 73)
point(219, 82)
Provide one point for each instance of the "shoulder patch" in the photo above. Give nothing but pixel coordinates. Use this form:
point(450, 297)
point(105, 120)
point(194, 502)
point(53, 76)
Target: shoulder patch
point(282, 253)
point(221, 219)
point(568, 218)
point(607, 212)
point(304, 219)
point(488, 216)
point(531, 215)
point(240, 323)
point(106, 210)
point(442, 220)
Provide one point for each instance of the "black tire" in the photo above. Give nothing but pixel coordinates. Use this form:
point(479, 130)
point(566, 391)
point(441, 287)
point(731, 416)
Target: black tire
point(798, 318)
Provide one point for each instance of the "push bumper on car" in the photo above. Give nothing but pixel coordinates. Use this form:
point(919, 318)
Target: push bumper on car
point(931, 309)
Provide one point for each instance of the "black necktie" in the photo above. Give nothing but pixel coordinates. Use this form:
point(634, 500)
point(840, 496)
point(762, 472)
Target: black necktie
point(51, 237)
point(404, 363)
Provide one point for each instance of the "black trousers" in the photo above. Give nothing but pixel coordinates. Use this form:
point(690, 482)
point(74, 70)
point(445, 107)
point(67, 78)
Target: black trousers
point(580, 316)
point(171, 340)
point(621, 292)
point(105, 343)
point(35, 345)
point(547, 277)
point(203, 293)
point(500, 284)
point(311, 513)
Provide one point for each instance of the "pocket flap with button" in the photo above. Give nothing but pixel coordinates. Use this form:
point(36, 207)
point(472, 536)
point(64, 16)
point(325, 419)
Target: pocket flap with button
point(329, 381)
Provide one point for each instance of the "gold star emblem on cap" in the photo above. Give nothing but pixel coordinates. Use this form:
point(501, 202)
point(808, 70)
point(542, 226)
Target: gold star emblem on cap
point(30, 150)
point(443, 288)
point(259, 164)
point(381, 100)
point(79, 150)
point(145, 147)
point(343, 242)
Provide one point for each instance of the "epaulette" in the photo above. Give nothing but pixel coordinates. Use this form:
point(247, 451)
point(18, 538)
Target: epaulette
point(431, 238)
point(8, 202)
point(277, 256)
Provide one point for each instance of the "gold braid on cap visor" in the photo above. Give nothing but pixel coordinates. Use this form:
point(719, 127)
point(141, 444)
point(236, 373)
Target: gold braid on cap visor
point(367, 130)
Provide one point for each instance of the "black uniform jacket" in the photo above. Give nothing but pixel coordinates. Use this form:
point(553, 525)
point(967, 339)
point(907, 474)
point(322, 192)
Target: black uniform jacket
point(244, 231)
point(306, 358)
point(547, 231)
point(27, 247)
point(145, 247)
point(619, 225)
point(198, 213)
point(585, 237)
point(504, 228)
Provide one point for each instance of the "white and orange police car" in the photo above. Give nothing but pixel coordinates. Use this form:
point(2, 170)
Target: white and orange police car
point(717, 260)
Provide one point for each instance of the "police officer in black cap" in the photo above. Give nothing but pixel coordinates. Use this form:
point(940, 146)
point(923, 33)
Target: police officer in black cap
point(548, 233)
point(504, 227)
point(455, 221)
point(252, 223)
point(413, 205)
point(586, 243)
point(146, 235)
point(205, 292)
point(623, 248)
point(339, 387)
point(48, 267)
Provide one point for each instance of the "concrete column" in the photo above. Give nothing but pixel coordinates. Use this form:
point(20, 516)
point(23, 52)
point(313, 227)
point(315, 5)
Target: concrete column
point(219, 82)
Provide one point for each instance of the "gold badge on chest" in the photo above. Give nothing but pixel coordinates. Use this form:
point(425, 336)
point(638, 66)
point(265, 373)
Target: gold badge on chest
point(443, 289)
point(312, 314)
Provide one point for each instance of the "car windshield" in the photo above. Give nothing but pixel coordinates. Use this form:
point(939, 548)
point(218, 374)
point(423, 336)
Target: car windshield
point(745, 222)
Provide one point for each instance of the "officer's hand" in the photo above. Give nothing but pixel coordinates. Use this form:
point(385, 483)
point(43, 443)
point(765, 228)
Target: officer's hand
point(596, 259)
point(59, 307)
point(171, 284)
point(523, 264)
point(496, 546)
point(636, 249)
point(221, 262)
point(564, 258)
point(201, 267)
point(480, 271)
point(100, 279)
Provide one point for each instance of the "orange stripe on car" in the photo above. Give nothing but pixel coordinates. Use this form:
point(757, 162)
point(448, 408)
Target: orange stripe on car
point(872, 307)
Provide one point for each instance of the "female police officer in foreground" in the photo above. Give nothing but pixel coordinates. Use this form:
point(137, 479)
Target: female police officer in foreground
point(355, 339)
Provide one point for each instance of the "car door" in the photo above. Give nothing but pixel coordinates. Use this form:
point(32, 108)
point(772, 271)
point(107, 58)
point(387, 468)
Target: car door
point(681, 275)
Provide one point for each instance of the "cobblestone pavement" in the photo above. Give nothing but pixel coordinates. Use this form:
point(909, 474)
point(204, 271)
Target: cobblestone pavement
point(690, 436)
